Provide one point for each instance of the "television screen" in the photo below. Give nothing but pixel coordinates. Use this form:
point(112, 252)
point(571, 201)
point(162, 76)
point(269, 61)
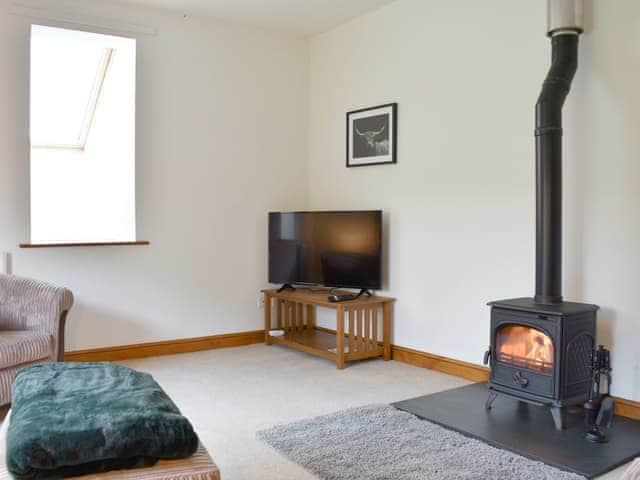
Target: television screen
point(335, 249)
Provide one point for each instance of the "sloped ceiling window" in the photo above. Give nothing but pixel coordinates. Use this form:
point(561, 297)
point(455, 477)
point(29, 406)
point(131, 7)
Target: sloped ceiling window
point(82, 129)
point(67, 81)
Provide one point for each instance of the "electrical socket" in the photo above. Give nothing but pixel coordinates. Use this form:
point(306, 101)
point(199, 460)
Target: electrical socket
point(5, 263)
point(261, 301)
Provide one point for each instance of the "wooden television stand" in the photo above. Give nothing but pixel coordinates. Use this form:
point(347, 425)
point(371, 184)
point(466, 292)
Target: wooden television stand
point(358, 325)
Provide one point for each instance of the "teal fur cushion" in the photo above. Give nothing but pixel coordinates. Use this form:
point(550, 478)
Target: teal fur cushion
point(71, 419)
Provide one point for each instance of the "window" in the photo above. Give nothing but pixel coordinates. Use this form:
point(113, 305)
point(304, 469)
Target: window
point(82, 131)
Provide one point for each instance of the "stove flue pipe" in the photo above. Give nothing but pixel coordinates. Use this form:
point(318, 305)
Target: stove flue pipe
point(565, 23)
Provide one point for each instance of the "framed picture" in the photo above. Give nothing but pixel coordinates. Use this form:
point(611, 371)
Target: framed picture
point(371, 135)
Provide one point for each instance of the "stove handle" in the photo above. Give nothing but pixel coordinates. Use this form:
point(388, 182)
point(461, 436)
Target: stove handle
point(487, 356)
point(521, 379)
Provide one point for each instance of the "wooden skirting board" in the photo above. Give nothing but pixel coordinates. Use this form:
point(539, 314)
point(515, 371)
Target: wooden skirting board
point(457, 368)
point(168, 347)
point(627, 408)
point(450, 366)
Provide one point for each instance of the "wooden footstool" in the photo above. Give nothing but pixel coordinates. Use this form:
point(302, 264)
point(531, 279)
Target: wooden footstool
point(200, 466)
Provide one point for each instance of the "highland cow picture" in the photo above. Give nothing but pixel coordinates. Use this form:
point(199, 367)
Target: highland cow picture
point(371, 136)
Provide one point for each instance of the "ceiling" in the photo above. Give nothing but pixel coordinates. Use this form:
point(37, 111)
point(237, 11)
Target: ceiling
point(302, 17)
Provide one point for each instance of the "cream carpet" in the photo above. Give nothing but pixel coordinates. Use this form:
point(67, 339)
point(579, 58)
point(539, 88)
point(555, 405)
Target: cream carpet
point(230, 394)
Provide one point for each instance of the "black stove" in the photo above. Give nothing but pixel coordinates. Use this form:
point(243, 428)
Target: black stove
point(540, 348)
point(541, 354)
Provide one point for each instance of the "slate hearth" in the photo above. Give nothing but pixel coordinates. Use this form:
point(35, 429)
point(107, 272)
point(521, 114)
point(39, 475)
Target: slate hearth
point(528, 430)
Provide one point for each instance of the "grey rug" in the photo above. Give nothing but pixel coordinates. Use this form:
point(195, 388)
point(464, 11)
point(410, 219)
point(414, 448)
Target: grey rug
point(379, 442)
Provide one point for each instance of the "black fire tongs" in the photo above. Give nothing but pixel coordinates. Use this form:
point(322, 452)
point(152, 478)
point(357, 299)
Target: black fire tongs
point(599, 408)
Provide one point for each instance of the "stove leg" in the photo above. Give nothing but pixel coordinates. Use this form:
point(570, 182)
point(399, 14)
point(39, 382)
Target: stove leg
point(558, 414)
point(490, 400)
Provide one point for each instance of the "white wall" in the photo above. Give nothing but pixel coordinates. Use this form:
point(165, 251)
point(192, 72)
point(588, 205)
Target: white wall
point(460, 202)
point(222, 126)
point(221, 139)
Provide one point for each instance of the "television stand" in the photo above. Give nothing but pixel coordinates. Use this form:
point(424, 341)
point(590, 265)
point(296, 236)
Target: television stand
point(363, 325)
point(286, 286)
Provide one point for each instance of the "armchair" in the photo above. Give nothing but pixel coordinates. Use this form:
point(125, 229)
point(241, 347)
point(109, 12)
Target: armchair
point(32, 319)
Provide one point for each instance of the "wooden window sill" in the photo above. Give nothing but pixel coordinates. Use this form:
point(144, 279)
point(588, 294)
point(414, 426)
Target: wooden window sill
point(91, 244)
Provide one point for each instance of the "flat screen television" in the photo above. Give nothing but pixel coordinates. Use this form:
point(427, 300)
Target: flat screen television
point(334, 249)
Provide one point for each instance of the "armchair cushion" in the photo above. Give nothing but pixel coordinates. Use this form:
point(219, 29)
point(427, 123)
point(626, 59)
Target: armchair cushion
point(19, 346)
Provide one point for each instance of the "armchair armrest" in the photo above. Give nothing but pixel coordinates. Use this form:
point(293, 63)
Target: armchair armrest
point(27, 304)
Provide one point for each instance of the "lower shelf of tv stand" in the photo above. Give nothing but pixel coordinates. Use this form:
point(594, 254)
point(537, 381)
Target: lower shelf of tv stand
point(322, 343)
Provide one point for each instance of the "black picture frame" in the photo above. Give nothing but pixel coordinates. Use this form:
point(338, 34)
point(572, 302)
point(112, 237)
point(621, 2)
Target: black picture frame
point(362, 148)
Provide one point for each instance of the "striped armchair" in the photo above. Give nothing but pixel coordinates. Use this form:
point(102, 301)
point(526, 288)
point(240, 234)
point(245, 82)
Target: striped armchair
point(32, 317)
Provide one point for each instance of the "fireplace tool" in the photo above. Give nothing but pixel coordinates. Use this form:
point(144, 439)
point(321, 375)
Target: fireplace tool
point(600, 406)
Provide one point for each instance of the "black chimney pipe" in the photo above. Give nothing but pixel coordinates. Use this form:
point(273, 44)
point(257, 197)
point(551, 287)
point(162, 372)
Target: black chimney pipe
point(564, 63)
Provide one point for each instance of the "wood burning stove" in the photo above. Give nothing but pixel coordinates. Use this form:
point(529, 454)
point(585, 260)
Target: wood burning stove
point(541, 354)
point(541, 347)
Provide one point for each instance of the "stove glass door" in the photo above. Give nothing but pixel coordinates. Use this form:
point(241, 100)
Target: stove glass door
point(524, 347)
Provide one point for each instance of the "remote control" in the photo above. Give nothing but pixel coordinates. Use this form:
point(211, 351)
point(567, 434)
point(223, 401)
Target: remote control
point(342, 298)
